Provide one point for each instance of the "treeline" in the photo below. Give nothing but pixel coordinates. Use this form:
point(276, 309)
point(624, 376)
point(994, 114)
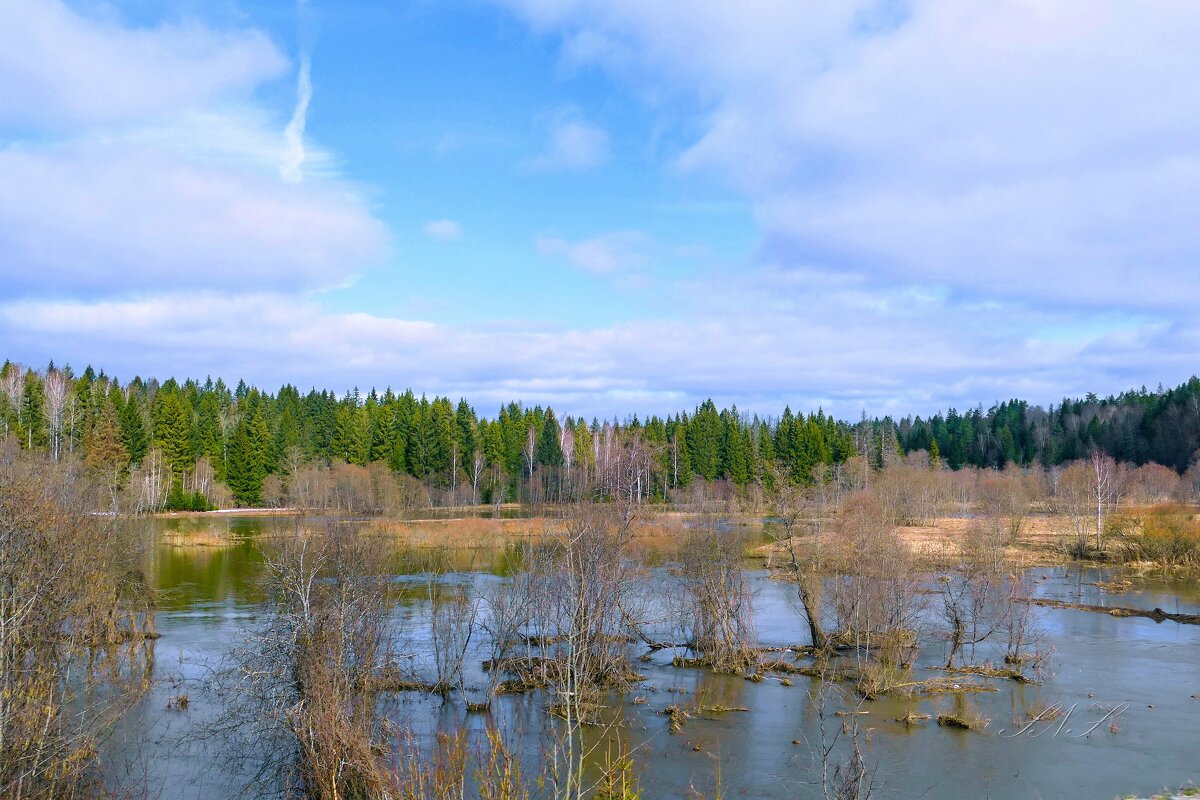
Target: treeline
point(195, 445)
point(1137, 427)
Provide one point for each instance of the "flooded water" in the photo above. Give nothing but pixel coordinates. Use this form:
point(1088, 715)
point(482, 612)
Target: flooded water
point(1128, 688)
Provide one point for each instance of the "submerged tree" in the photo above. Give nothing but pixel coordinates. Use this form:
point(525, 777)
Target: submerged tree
point(73, 608)
point(301, 693)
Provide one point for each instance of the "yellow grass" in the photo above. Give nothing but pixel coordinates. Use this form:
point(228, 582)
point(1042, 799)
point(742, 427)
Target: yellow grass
point(1042, 541)
point(656, 532)
point(198, 538)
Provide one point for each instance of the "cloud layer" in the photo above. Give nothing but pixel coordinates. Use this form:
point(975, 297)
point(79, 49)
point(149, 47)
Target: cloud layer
point(151, 168)
point(572, 144)
point(958, 202)
point(902, 353)
point(1014, 149)
point(58, 67)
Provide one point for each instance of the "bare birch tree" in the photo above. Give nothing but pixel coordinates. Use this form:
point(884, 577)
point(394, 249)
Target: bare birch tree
point(12, 382)
point(55, 386)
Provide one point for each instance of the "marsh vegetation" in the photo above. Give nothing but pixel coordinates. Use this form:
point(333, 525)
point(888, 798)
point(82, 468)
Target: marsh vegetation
point(650, 596)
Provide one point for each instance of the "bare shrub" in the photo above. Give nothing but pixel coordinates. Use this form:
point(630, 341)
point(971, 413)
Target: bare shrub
point(908, 494)
point(800, 511)
point(1154, 483)
point(876, 595)
point(300, 695)
point(1166, 534)
point(717, 616)
point(1008, 495)
point(71, 595)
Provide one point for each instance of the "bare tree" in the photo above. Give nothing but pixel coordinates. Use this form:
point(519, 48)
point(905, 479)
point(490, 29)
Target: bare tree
point(150, 483)
point(877, 595)
point(530, 452)
point(798, 511)
point(300, 692)
point(1106, 486)
point(55, 386)
point(968, 593)
point(846, 778)
point(453, 614)
point(581, 577)
point(1154, 483)
point(567, 444)
point(717, 616)
point(1008, 495)
point(477, 465)
point(1074, 499)
point(72, 603)
point(1020, 622)
point(12, 383)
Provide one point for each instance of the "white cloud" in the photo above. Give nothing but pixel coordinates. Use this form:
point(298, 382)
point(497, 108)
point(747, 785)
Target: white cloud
point(1012, 148)
point(92, 217)
point(894, 351)
point(600, 255)
point(293, 134)
point(443, 230)
point(59, 66)
point(170, 175)
point(572, 144)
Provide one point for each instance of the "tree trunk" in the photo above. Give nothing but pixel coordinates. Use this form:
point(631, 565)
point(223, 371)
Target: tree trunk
point(812, 612)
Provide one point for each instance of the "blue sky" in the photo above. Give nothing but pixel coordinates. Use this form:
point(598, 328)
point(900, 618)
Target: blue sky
point(614, 207)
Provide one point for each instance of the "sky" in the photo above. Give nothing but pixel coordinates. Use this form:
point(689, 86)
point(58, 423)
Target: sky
point(611, 207)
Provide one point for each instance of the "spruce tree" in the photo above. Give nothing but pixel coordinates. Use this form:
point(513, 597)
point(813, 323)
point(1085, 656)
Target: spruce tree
point(549, 443)
point(173, 431)
point(249, 453)
point(133, 432)
point(208, 439)
point(106, 457)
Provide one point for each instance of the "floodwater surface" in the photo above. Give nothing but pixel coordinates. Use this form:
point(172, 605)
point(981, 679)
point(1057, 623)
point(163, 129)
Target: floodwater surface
point(1128, 689)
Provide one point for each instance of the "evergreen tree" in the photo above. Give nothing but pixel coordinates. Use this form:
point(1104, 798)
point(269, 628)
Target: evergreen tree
point(549, 443)
point(34, 431)
point(133, 432)
point(208, 438)
point(286, 438)
point(106, 457)
point(350, 434)
point(173, 430)
point(704, 441)
point(249, 454)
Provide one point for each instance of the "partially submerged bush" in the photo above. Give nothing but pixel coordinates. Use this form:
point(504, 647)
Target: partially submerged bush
point(1166, 534)
point(70, 594)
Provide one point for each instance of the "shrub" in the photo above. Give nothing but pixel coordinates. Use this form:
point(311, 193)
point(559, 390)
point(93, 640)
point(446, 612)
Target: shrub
point(1166, 534)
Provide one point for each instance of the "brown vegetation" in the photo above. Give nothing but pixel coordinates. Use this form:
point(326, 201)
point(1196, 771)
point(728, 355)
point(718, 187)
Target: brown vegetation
point(74, 608)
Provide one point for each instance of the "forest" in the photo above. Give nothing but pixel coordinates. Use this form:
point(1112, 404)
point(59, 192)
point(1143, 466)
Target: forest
point(198, 445)
point(664, 574)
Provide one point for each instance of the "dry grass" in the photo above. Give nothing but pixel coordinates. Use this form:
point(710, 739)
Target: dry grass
point(1043, 541)
point(963, 722)
point(655, 533)
point(228, 512)
point(467, 532)
point(207, 537)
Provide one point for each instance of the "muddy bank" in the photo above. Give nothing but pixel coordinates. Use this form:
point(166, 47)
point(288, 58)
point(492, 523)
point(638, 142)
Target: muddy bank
point(1156, 614)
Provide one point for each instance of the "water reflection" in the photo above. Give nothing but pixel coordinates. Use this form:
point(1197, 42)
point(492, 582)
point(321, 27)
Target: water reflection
point(1151, 670)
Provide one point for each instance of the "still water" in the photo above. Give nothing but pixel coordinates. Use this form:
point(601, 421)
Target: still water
point(1141, 675)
